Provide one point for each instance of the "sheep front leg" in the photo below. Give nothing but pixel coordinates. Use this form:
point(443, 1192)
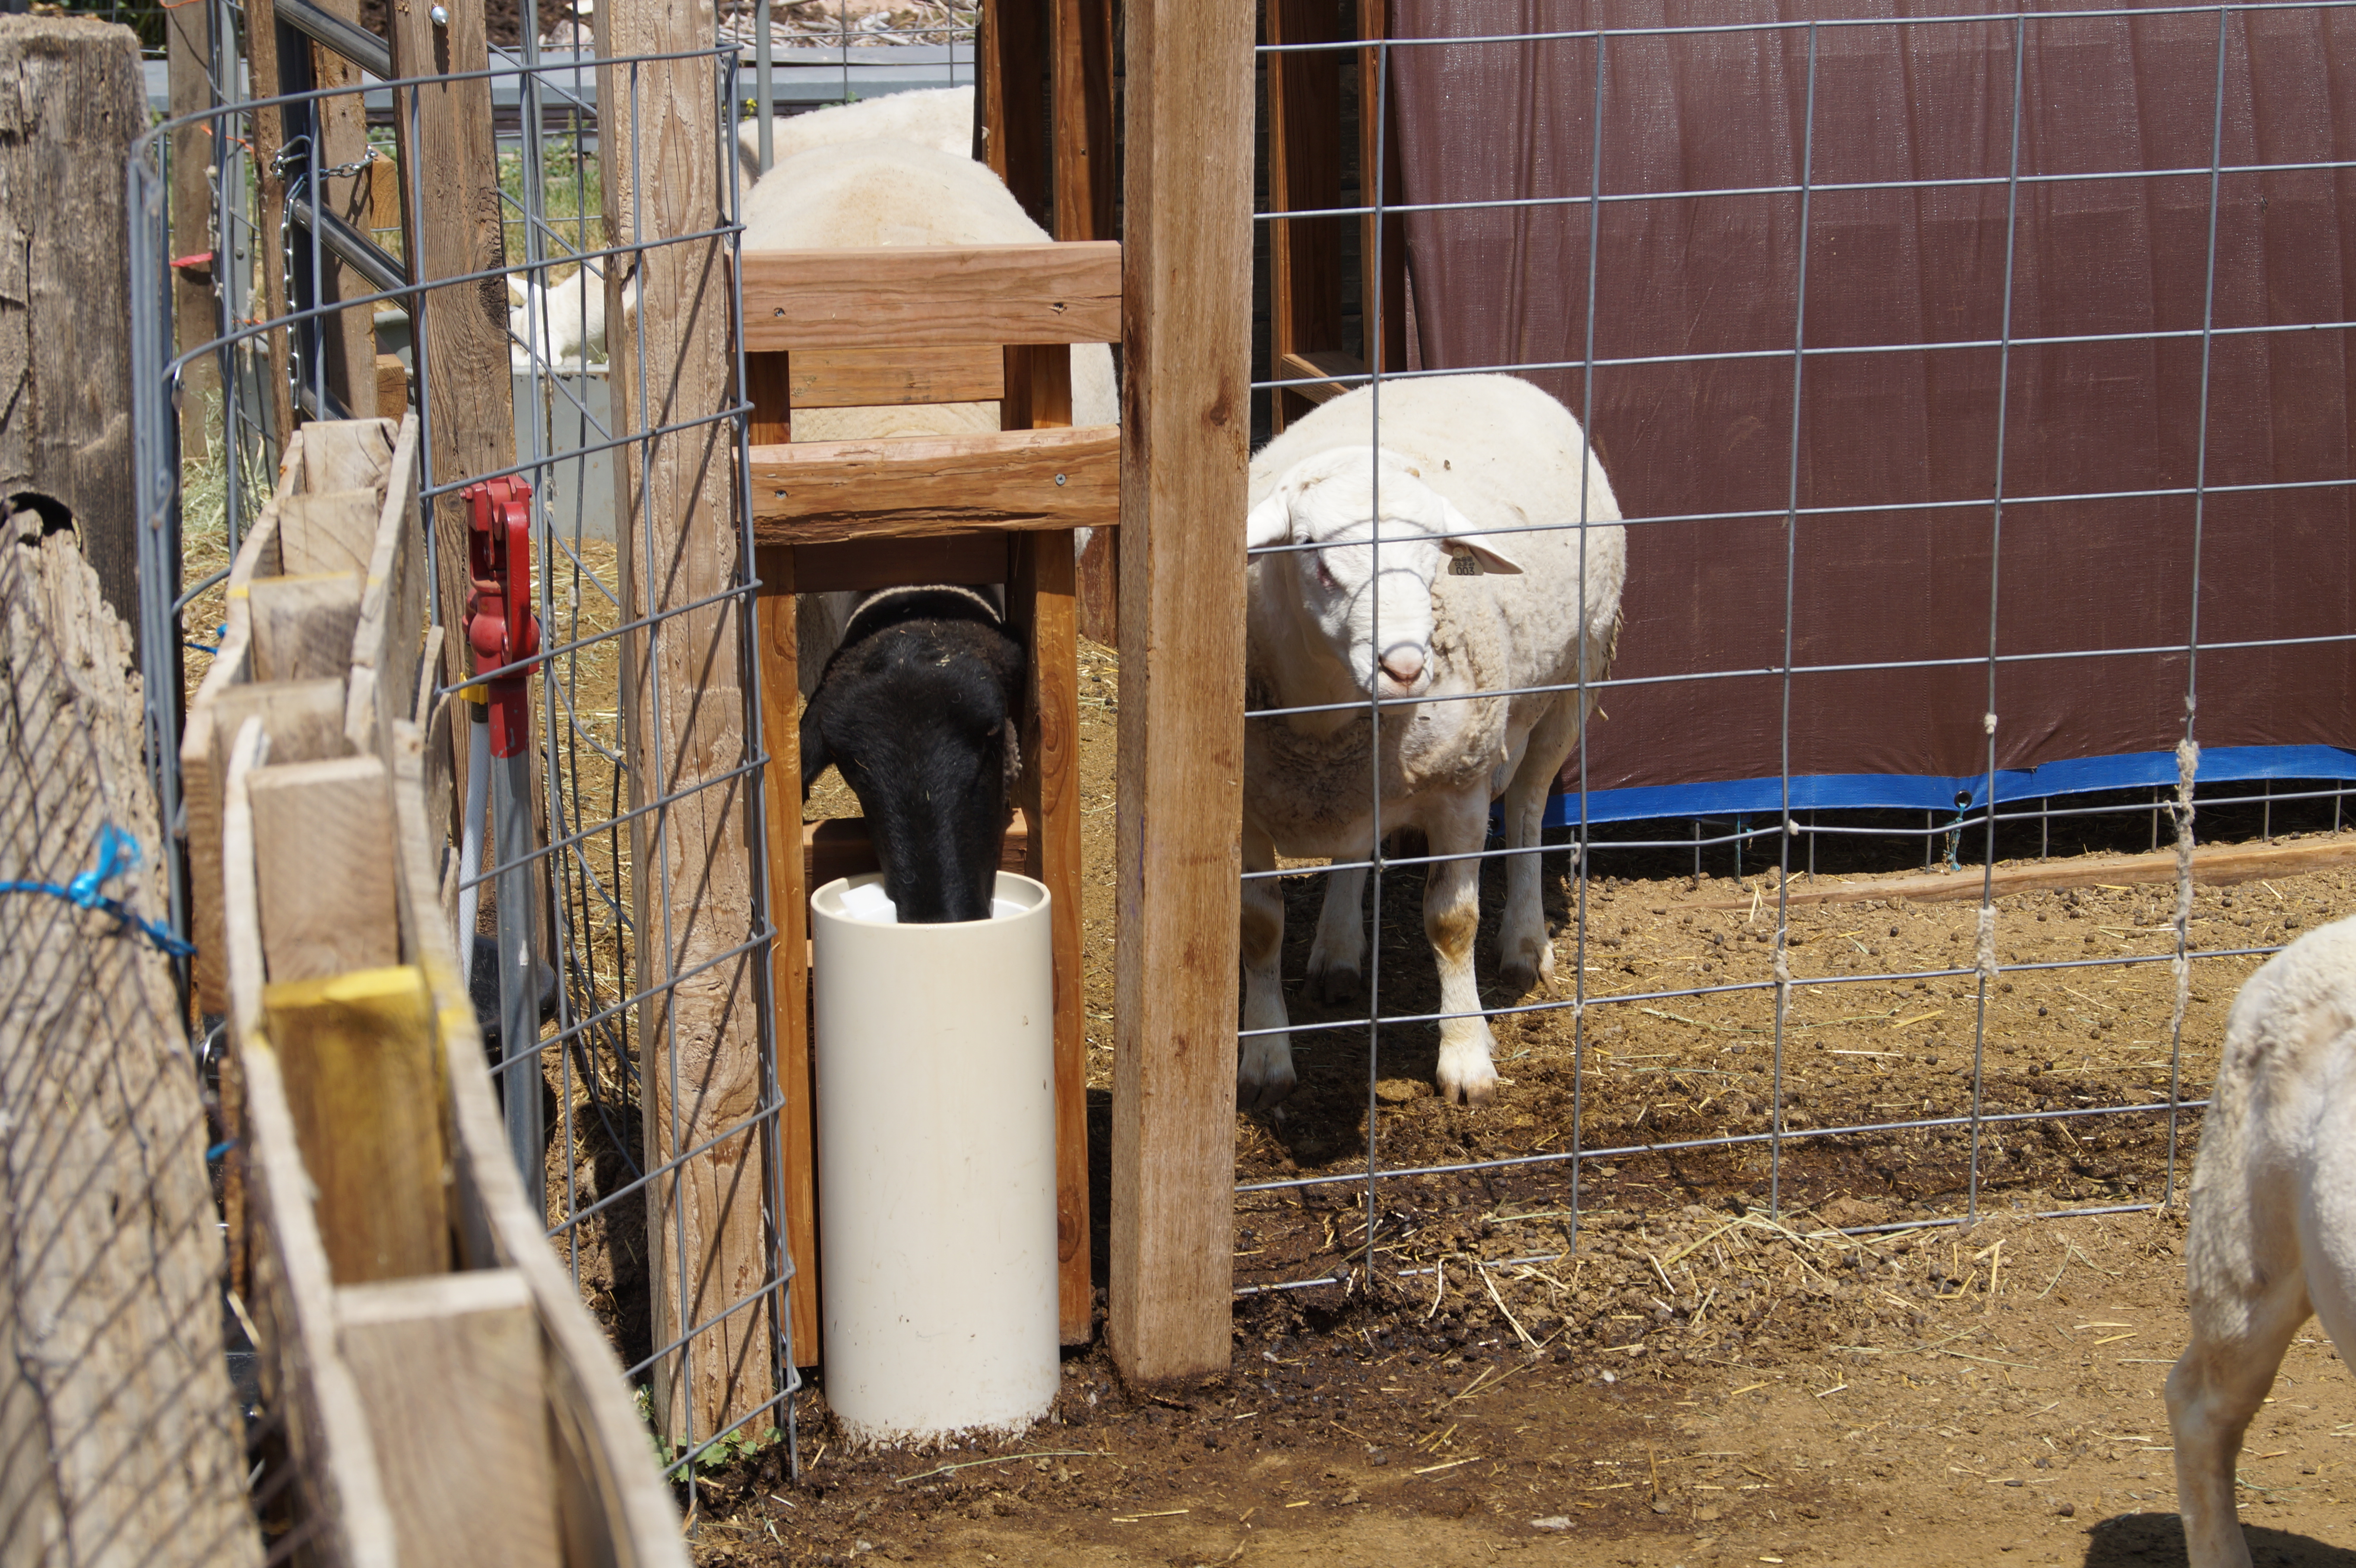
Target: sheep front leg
point(1451, 919)
point(1264, 1064)
point(2247, 1297)
point(1338, 959)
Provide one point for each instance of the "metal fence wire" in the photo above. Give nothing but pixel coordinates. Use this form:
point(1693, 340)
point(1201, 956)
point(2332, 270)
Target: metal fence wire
point(224, 391)
point(1761, 1070)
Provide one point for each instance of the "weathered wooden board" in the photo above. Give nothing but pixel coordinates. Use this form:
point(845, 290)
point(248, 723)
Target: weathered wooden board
point(387, 639)
point(70, 103)
point(939, 295)
point(856, 565)
point(817, 492)
point(684, 720)
point(303, 626)
point(452, 1371)
point(881, 378)
point(333, 531)
point(120, 1440)
point(1185, 376)
point(320, 861)
point(361, 1055)
point(338, 1495)
point(616, 1508)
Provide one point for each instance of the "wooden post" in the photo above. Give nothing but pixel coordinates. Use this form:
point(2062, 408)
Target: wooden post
point(1013, 67)
point(70, 103)
point(1085, 192)
point(1040, 602)
point(450, 226)
point(1304, 173)
point(270, 200)
point(683, 715)
point(119, 1434)
point(1382, 310)
point(1186, 431)
point(349, 337)
point(195, 319)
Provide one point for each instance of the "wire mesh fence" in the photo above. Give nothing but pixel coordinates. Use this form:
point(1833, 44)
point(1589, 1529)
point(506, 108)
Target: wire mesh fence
point(316, 205)
point(1780, 239)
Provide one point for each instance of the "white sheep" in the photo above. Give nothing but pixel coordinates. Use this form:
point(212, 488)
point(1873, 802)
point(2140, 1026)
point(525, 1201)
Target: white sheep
point(880, 192)
point(2273, 1232)
point(565, 321)
point(1461, 458)
point(940, 118)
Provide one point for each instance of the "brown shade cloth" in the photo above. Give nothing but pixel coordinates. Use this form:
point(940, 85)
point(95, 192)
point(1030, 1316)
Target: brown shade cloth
point(1674, 275)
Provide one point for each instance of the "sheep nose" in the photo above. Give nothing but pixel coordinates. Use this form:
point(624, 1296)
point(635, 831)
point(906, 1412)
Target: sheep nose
point(1403, 665)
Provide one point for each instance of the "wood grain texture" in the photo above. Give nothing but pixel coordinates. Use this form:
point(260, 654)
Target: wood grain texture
point(331, 532)
point(1011, 135)
point(269, 198)
point(120, 1440)
point(1080, 44)
point(856, 565)
point(196, 309)
point(1186, 410)
point(1043, 608)
point(361, 1057)
point(686, 721)
point(451, 226)
point(304, 720)
point(71, 102)
point(204, 746)
point(888, 378)
point(345, 454)
point(303, 626)
point(348, 336)
point(336, 1488)
point(392, 375)
point(942, 296)
point(822, 491)
point(790, 882)
point(1316, 376)
point(392, 623)
point(450, 1369)
point(615, 1506)
point(320, 861)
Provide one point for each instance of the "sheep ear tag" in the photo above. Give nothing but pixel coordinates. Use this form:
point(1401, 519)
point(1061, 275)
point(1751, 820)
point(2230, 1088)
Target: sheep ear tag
point(1464, 563)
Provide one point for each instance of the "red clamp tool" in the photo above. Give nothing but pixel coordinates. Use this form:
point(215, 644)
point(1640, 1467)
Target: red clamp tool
point(500, 625)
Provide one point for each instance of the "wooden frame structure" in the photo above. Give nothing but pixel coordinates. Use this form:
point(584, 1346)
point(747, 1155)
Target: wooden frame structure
point(446, 1396)
point(832, 330)
point(1307, 341)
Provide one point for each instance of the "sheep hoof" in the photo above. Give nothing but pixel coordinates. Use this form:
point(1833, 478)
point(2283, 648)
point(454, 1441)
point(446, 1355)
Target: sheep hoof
point(1519, 978)
point(1472, 1085)
point(1264, 1096)
point(1336, 982)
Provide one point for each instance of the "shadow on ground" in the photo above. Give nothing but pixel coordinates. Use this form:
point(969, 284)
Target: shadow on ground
point(2157, 1541)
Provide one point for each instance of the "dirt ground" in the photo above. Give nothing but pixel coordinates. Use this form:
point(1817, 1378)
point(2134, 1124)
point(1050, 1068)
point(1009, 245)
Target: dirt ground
point(1693, 1381)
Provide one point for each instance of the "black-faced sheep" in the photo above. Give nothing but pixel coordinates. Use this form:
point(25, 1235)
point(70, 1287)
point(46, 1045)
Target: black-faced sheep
point(919, 709)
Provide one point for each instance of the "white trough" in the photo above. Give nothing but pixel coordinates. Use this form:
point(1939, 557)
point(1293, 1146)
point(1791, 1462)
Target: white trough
point(934, 1048)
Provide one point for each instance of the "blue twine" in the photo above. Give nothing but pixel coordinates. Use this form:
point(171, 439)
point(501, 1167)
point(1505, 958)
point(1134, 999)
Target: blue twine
point(117, 855)
point(219, 1149)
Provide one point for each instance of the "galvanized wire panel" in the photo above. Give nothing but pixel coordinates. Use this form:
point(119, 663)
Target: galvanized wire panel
point(1529, 195)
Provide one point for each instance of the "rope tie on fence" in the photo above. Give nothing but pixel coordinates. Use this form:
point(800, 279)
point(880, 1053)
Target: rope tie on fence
point(2188, 767)
point(118, 855)
point(1984, 944)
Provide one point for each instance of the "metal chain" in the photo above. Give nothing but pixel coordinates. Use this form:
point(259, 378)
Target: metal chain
point(290, 162)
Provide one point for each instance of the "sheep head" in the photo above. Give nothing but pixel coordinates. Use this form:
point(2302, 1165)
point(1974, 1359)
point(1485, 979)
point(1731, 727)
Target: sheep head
point(1377, 623)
